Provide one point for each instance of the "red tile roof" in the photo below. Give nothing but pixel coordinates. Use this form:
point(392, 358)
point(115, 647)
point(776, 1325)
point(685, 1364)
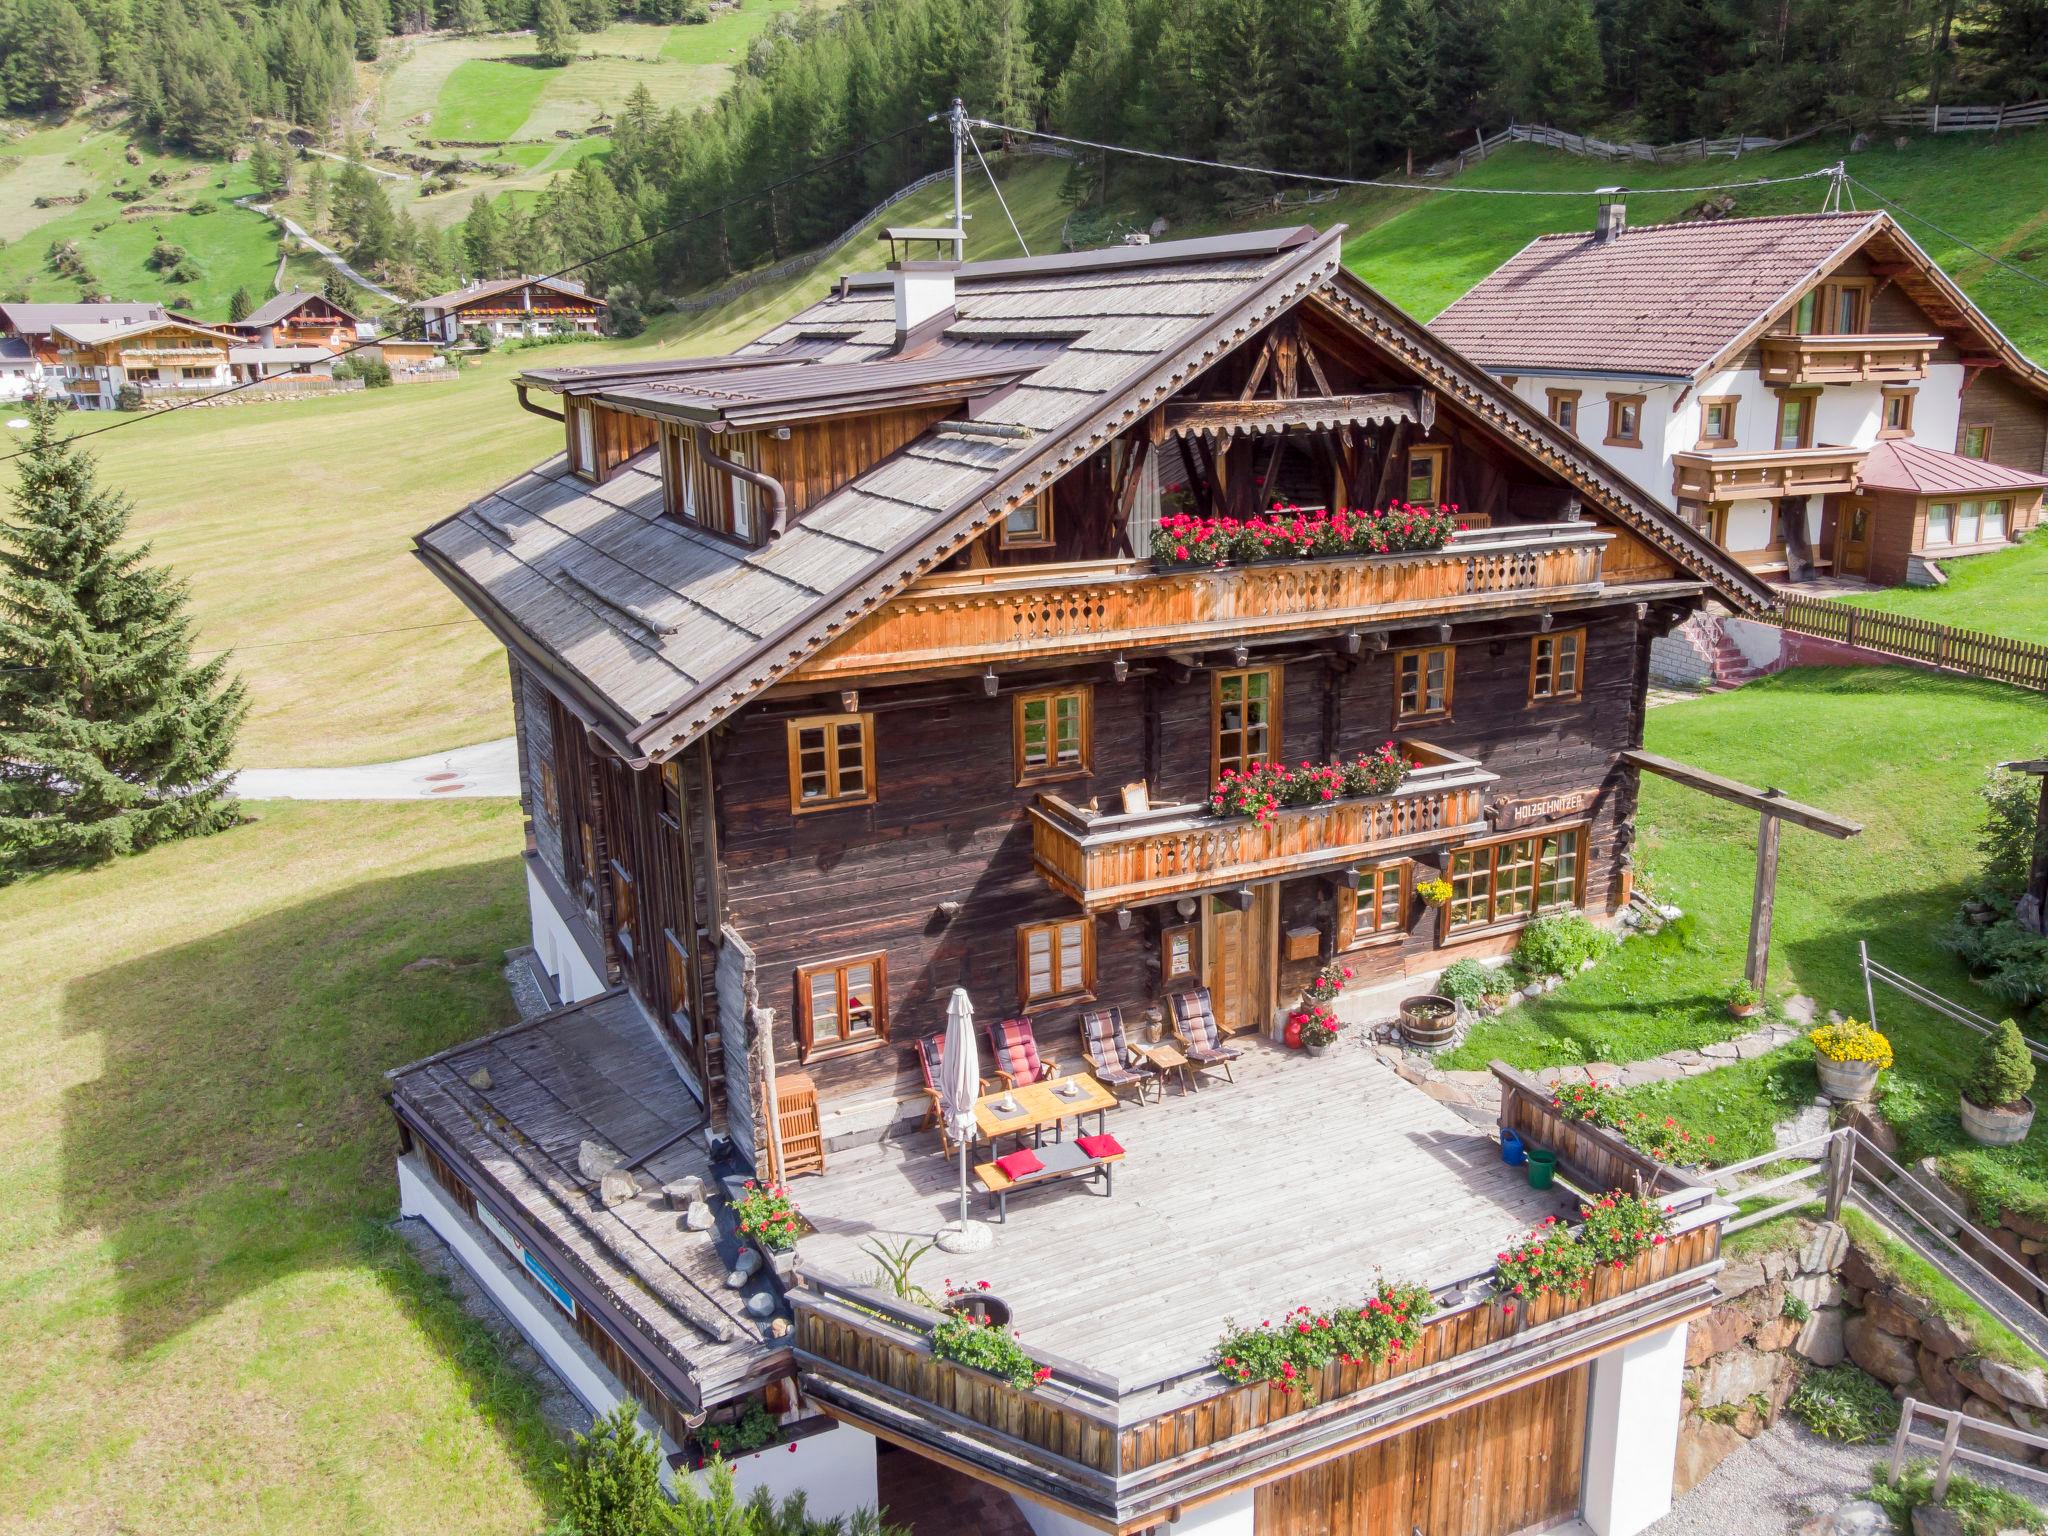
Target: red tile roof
point(1660, 299)
point(1907, 466)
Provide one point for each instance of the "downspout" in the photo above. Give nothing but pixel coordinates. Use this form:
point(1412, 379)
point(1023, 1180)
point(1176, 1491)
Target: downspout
point(538, 410)
point(778, 499)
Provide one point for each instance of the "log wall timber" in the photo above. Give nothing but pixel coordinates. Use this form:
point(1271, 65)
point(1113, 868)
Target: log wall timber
point(949, 825)
point(974, 617)
point(616, 436)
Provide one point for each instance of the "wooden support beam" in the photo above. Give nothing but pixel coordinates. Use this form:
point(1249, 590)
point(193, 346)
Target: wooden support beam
point(1770, 802)
point(1762, 902)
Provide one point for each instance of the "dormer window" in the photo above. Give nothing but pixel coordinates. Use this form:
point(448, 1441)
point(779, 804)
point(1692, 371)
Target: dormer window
point(694, 490)
point(582, 442)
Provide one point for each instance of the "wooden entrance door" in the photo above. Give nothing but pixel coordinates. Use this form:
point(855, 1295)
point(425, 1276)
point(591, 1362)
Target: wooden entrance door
point(1853, 518)
point(1242, 960)
point(1504, 1465)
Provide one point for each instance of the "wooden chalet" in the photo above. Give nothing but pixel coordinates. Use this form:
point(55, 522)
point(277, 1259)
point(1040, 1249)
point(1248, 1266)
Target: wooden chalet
point(1811, 390)
point(299, 319)
point(511, 308)
point(35, 324)
point(857, 666)
point(164, 358)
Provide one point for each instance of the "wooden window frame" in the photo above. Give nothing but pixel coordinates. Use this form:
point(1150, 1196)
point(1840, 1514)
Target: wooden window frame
point(1041, 534)
point(1373, 878)
point(1731, 409)
point(865, 721)
point(1809, 398)
point(1058, 996)
point(1927, 539)
point(1053, 771)
point(873, 1038)
point(684, 475)
point(1274, 695)
point(1422, 711)
point(1906, 394)
point(1831, 295)
point(1493, 923)
point(1963, 441)
point(1554, 398)
point(1543, 687)
point(671, 785)
point(625, 904)
point(1439, 456)
point(549, 792)
point(678, 978)
point(1616, 404)
point(582, 424)
point(1192, 932)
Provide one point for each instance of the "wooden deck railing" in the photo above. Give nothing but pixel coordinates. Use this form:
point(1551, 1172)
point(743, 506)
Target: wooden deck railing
point(1012, 612)
point(2004, 660)
point(1846, 359)
point(1729, 474)
point(1109, 861)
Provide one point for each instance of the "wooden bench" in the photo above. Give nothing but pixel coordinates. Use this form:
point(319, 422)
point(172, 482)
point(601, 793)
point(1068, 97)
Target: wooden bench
point(1063, 1160)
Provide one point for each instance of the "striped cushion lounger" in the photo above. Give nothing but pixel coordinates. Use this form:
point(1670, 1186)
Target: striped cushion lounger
point(1016, 1055)
point(1102, 1039)
point(1194, 1022)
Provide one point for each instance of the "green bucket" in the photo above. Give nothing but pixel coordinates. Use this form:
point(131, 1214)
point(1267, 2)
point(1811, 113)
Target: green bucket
point(1542, 1167)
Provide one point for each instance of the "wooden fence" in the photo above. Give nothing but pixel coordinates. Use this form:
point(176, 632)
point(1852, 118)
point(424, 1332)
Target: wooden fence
point(1948, 1449)
point(2025, 114)
point(2023, 663)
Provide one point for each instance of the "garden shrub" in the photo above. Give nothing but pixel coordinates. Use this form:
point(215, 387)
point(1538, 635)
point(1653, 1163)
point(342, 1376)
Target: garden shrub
point(1979, 1508)
point(2006, 960)
point(1559, 944)
point(1465, 981)
point(1842, 1403)
point(611, 1483)
point(1658, 1136)
point(2003, 1070)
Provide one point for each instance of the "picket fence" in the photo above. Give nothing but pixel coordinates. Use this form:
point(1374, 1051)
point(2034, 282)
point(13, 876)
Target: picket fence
point(2021, 662)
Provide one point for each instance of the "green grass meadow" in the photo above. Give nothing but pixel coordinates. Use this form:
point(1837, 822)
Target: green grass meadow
point(2004, 593)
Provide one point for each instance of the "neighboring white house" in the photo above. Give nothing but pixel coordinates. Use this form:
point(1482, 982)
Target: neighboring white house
point(97, 360)
point(1743, 370)
point(253, 364)
point(21, 371)
point(512, 308)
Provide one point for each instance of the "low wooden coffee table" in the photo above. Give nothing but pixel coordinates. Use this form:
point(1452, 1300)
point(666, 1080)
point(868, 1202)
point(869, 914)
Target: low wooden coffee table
point(1165, 1057)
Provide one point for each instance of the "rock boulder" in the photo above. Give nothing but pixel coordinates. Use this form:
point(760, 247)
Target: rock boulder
point(1886, 1356)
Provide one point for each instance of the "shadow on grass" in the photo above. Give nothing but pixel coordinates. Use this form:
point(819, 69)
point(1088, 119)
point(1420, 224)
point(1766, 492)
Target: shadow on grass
point(235, 1133)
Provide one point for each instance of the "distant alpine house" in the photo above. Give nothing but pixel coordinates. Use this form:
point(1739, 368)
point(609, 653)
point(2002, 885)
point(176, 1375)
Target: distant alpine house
point(937, 647)
point(1811, 390)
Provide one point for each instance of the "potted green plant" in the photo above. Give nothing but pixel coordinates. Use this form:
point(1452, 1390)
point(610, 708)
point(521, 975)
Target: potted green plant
point(1995, 1108)
point(1744, 1001)
point(769, 1220)
point(1848, 1056)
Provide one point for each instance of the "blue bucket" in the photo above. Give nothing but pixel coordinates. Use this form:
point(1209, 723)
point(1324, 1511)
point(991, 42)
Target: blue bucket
point(1511, 1151)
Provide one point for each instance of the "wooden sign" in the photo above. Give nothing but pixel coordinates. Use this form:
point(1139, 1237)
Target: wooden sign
point(1526, 811)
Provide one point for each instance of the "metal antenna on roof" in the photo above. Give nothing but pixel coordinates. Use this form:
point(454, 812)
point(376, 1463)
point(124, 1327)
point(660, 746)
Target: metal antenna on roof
point(956, 123)
point(1838, 198)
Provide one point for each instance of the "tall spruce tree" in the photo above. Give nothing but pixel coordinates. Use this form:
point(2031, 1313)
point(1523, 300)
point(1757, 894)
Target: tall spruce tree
point(554, 36)
point(111, 738)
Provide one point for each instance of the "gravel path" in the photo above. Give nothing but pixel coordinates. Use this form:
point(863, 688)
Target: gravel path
point(1782, 1479)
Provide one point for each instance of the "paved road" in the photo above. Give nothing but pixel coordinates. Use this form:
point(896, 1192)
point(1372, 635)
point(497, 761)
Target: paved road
point(491, 769)
point(326, 252)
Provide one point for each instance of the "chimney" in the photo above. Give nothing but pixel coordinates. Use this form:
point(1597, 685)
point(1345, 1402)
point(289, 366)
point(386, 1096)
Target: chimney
point(923, 287)
point(1612, 217)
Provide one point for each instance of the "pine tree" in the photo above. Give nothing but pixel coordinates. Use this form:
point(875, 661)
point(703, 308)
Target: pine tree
point(239, 305)
point(470, 18)
point(316, 193)
point(338, 290)
point(554, 39)
point(111, 738)
point(68, 57)
point(483, 238)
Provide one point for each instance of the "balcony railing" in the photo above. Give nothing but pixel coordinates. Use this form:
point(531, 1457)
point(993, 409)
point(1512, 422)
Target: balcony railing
point(1110, 861)
point(1015, 612)
point(1744, 474)
point(1846, 359)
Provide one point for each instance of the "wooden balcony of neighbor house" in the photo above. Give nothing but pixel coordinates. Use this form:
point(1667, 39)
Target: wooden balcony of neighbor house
point(1221, 1211)
point(1011, 613)
point(1105, 861)
point(1763, 474)
point(1846, 359)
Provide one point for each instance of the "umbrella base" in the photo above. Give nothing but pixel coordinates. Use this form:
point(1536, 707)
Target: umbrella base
point(966, 1237)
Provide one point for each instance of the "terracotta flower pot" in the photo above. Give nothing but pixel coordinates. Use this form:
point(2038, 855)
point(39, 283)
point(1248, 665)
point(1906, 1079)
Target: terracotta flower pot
point(1846, 1082)
point(1999, 1125)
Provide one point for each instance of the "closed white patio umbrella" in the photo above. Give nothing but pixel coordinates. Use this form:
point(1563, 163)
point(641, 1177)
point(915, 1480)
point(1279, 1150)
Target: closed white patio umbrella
point(959, 1086)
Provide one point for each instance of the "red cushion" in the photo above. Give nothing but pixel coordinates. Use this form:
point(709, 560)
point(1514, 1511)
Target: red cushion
point(1099, 1146)
point(1019, 1163)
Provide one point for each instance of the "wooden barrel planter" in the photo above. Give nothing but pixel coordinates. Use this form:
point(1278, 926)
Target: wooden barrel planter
point(1428, 1020)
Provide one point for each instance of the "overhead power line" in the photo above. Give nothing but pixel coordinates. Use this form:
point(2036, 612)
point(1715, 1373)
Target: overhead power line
point(1948, 234)
point(1366, 181)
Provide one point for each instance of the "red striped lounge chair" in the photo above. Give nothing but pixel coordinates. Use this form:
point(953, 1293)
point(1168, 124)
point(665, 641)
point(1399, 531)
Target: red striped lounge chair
point(931, 1051)
point(1015, 1048)
point(1194, 1024)
point(1109, 1054)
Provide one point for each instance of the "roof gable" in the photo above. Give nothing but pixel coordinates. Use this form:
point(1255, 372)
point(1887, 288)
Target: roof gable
point(281, 306)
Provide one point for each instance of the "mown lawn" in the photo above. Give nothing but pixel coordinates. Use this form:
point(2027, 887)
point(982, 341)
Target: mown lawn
point(1904, 752)
point(2001, 594)
point(205, 1328)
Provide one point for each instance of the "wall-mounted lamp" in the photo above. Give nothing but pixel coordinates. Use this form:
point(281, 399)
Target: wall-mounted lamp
point(988, 682)
point(1240, 656)
point(1120, 669)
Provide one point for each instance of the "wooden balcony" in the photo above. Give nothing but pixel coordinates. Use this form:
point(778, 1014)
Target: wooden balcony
point(1763, 474)
point(1109, 861)
point(1013, 613)
point(1846, 359)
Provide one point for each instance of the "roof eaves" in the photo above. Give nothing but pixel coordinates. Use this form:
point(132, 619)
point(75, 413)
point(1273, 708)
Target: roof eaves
point(1843, 250)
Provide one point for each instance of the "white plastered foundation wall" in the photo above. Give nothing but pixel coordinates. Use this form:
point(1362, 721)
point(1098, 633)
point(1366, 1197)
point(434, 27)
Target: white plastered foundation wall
point(555, 944)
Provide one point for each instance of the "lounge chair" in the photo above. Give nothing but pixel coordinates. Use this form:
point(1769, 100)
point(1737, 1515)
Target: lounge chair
point(1109, 1054)
point(1194, 1024)
point(931, 1051)
point(1016, 1055)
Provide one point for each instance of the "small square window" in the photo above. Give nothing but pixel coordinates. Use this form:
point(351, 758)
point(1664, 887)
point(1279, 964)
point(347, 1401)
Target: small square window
point(1055, 960)
point(1051, 735)
point(1028, 526)
point(1377, 909)
point(831, 761)
point(1422, 683)
point(1426, 475)
point(1556, 664)
point(1977, 442)
point(842, 1003)
point(1564, 408)
point(1624, 421)
point(1717, 422)
point(1898, 413)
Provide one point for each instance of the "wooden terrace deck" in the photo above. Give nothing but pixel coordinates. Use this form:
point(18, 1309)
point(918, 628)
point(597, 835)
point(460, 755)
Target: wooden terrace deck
point(1291, 1185)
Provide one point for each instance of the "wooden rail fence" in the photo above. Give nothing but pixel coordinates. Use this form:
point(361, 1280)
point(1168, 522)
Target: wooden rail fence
point(2023, 663)
point(1948, 1451)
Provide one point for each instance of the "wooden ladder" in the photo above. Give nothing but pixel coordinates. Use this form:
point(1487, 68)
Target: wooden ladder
point(802, 1138)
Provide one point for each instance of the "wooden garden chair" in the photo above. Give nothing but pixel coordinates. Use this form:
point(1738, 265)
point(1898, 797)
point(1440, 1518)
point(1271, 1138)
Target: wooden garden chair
point(931, 1051)
point(1109, 1054)
point(1194, 1025)
point(1015, 1048)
